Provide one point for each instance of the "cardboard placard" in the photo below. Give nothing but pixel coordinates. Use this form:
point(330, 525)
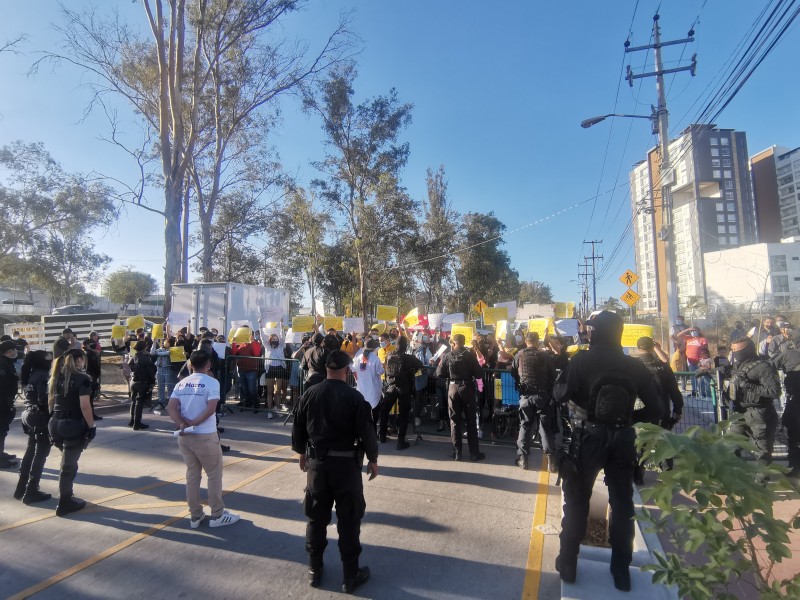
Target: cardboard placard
point(272, 314)
point(466, 329)
point(177, 355)
point(564, 310)
point(631, 333)
point(351, 324)
point(219, 348)
point(303, 324)
point(494, 314)
point(435, 320)
point(158, 331)
point(178, 319)
point(118, 332)
point(501, 329)
point(386, 313)
point(541, 326)
point(336, 322)
point(511, 305)
point(136, 322)
point(453, 318)
point(412, 318)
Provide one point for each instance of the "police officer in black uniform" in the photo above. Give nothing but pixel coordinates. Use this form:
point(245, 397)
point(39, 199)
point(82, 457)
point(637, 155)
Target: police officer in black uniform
point(600, 386)
point(9, 383)
point(332, 431)
point(752, 386)
point(72, 426)
point(461, 367)
point(35, 374)
point(788, 361)
point(535, 373)
point(399, 388)
point(313, 361)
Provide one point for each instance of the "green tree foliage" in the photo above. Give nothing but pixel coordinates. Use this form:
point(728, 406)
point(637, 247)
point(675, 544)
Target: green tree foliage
point(126, 286)
point(484, 272)
point(50, 218)
point(535, 292)
point(728, 516)
point(361, 170)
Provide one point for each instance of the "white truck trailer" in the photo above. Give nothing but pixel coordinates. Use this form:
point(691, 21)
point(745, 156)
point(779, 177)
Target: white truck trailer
point(221, 305)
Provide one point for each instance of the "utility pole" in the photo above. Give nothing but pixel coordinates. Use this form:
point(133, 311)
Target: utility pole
point(593, 258)
point(584, 275)
point(667, 177)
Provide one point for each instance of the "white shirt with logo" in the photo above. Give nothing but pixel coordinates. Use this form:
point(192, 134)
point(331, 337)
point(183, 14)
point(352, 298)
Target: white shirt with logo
point(194, 393)
point(368, 380)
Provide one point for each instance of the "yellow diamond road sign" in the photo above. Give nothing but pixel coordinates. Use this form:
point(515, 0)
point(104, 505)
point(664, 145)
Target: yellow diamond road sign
point(481, 306)
point(629, 278)
point(630, 297)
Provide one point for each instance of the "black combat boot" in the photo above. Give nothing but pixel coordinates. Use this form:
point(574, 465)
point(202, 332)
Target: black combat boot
point(21, 485)
point(351, 583)
point(69, 505)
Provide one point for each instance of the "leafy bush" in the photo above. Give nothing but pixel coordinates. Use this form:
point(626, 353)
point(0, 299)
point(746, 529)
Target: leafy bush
point(729, 511)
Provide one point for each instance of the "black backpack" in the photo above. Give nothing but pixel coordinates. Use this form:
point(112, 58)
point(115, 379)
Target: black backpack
point(611, 400)
point(394, 365)
point(459, 366)
point(533, 375)
point(142, 368)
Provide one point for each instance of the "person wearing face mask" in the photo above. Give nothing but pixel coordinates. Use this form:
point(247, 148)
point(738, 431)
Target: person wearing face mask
point(276, 373)
point(420, 349)
point(752, 386)
point(788, 361)
point(696, 346)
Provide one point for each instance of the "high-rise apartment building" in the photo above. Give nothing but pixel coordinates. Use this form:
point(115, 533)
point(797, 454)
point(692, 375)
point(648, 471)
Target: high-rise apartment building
point(776, 173)
point(713, 209)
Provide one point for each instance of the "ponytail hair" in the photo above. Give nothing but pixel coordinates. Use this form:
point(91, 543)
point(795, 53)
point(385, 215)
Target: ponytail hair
point(63, 364)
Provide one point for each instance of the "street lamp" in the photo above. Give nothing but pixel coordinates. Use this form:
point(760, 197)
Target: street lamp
point(652, 117)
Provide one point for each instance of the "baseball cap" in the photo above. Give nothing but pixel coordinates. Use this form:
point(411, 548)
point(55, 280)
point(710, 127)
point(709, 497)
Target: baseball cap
point(338, 360)
point(645, 343)
point(6, 346)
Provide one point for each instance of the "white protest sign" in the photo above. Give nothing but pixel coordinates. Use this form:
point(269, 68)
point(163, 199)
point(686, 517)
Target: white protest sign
point(351, 324)
point(511, 305)
point(219, 348)
point(567, 327)
point(268, 331)
point(271, 314)
point(435, 320)
point(178, 318)
point(442, 349)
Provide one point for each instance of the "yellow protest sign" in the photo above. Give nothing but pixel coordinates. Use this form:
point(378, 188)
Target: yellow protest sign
point(271, 324)
point(242, 335)
point(136, 322)
point(158, 332)
point(336, 323)
point(501, 329)
point(541, 326)
point(564, 310)
point(231, 334)
point(492, 315)
point(118, 331)
point(132, 350)
point(412, 318)
point(631, 333)
point(176, 354)
point(386, 313)
point(465, 329)
point(381, 327)
point(303, 324)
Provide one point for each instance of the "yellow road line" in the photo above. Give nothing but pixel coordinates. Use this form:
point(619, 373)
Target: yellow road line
point(81, 566)
point(149, 486)
point(533, 568)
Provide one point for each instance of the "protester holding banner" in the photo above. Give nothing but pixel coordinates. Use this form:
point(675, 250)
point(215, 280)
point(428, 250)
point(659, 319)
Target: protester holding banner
point(248, 368)
point(277, 376)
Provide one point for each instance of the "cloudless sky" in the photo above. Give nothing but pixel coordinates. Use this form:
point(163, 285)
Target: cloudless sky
point(499, 90)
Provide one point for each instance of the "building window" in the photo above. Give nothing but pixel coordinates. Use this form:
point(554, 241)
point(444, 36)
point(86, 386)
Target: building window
point(723, 241)
point(792, 231)
point(721, 229)
point(727, 173)
point(731, 207)
point(733, 240)
point(720, 206)
point(729, 184)
point(780, 284)
point(731, 217)
point(715, 162)
point(787, 191)
point(790, 222)
point(714, 141)
point(784, 170)
point(726, 162)
point(789, 211)
point(732, 229)
point(777, 262)
point(716, 173)
point(728, 195)
point(715, 152)
point(720, 218)
point(785, 180)
point(726, 151)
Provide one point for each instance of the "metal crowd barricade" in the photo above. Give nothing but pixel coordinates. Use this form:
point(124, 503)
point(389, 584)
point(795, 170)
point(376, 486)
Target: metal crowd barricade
point(701, 405)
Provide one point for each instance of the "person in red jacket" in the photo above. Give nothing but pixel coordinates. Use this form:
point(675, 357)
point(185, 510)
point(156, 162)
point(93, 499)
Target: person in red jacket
point(248, 370)
point(696, 346)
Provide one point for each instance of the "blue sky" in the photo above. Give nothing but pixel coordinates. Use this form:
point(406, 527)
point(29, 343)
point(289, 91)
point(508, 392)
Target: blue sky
point(499, 90)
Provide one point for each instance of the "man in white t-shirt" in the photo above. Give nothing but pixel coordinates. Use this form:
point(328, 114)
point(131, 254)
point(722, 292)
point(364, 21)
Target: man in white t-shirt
point(367, 370)
point(192, 405)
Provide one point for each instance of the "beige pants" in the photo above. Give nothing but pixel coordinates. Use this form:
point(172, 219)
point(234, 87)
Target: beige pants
point(201, 451)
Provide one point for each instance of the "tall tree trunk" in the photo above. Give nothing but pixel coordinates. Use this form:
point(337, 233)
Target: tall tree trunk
point(172, 240)
point(185, 241)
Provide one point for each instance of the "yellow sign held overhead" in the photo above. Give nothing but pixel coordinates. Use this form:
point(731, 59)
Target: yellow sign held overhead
point(481, 306)
point(630, 297)
point(303, 324)
point(336, 323)
point(158, 331)
point(118, 332)
point(629, 278)
point(632, 332)
point(386, 313)
point(541, 326)
point(136, 322)
point(465, 329)
point(176, 354)
point(564, 310)
point(495, 314)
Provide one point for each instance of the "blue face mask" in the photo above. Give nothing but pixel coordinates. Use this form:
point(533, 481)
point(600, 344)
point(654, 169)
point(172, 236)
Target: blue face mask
point(384, 344)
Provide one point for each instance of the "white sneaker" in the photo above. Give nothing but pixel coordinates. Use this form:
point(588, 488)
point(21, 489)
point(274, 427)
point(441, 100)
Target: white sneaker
point(270, 415)
point(195, 524)
point(226, 518)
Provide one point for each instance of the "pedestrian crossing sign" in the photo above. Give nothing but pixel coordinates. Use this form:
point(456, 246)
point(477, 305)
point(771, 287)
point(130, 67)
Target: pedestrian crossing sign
point(629, 278)
point(630, 297)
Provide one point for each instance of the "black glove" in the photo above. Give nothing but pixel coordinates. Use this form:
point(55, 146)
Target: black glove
point(90, 434)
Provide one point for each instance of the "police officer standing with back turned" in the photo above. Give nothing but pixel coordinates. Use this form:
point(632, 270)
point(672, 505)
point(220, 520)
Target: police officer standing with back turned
point(535, 374)
point(600, 386)
point(332, 431)
point(461, 367)
point(788, 361)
